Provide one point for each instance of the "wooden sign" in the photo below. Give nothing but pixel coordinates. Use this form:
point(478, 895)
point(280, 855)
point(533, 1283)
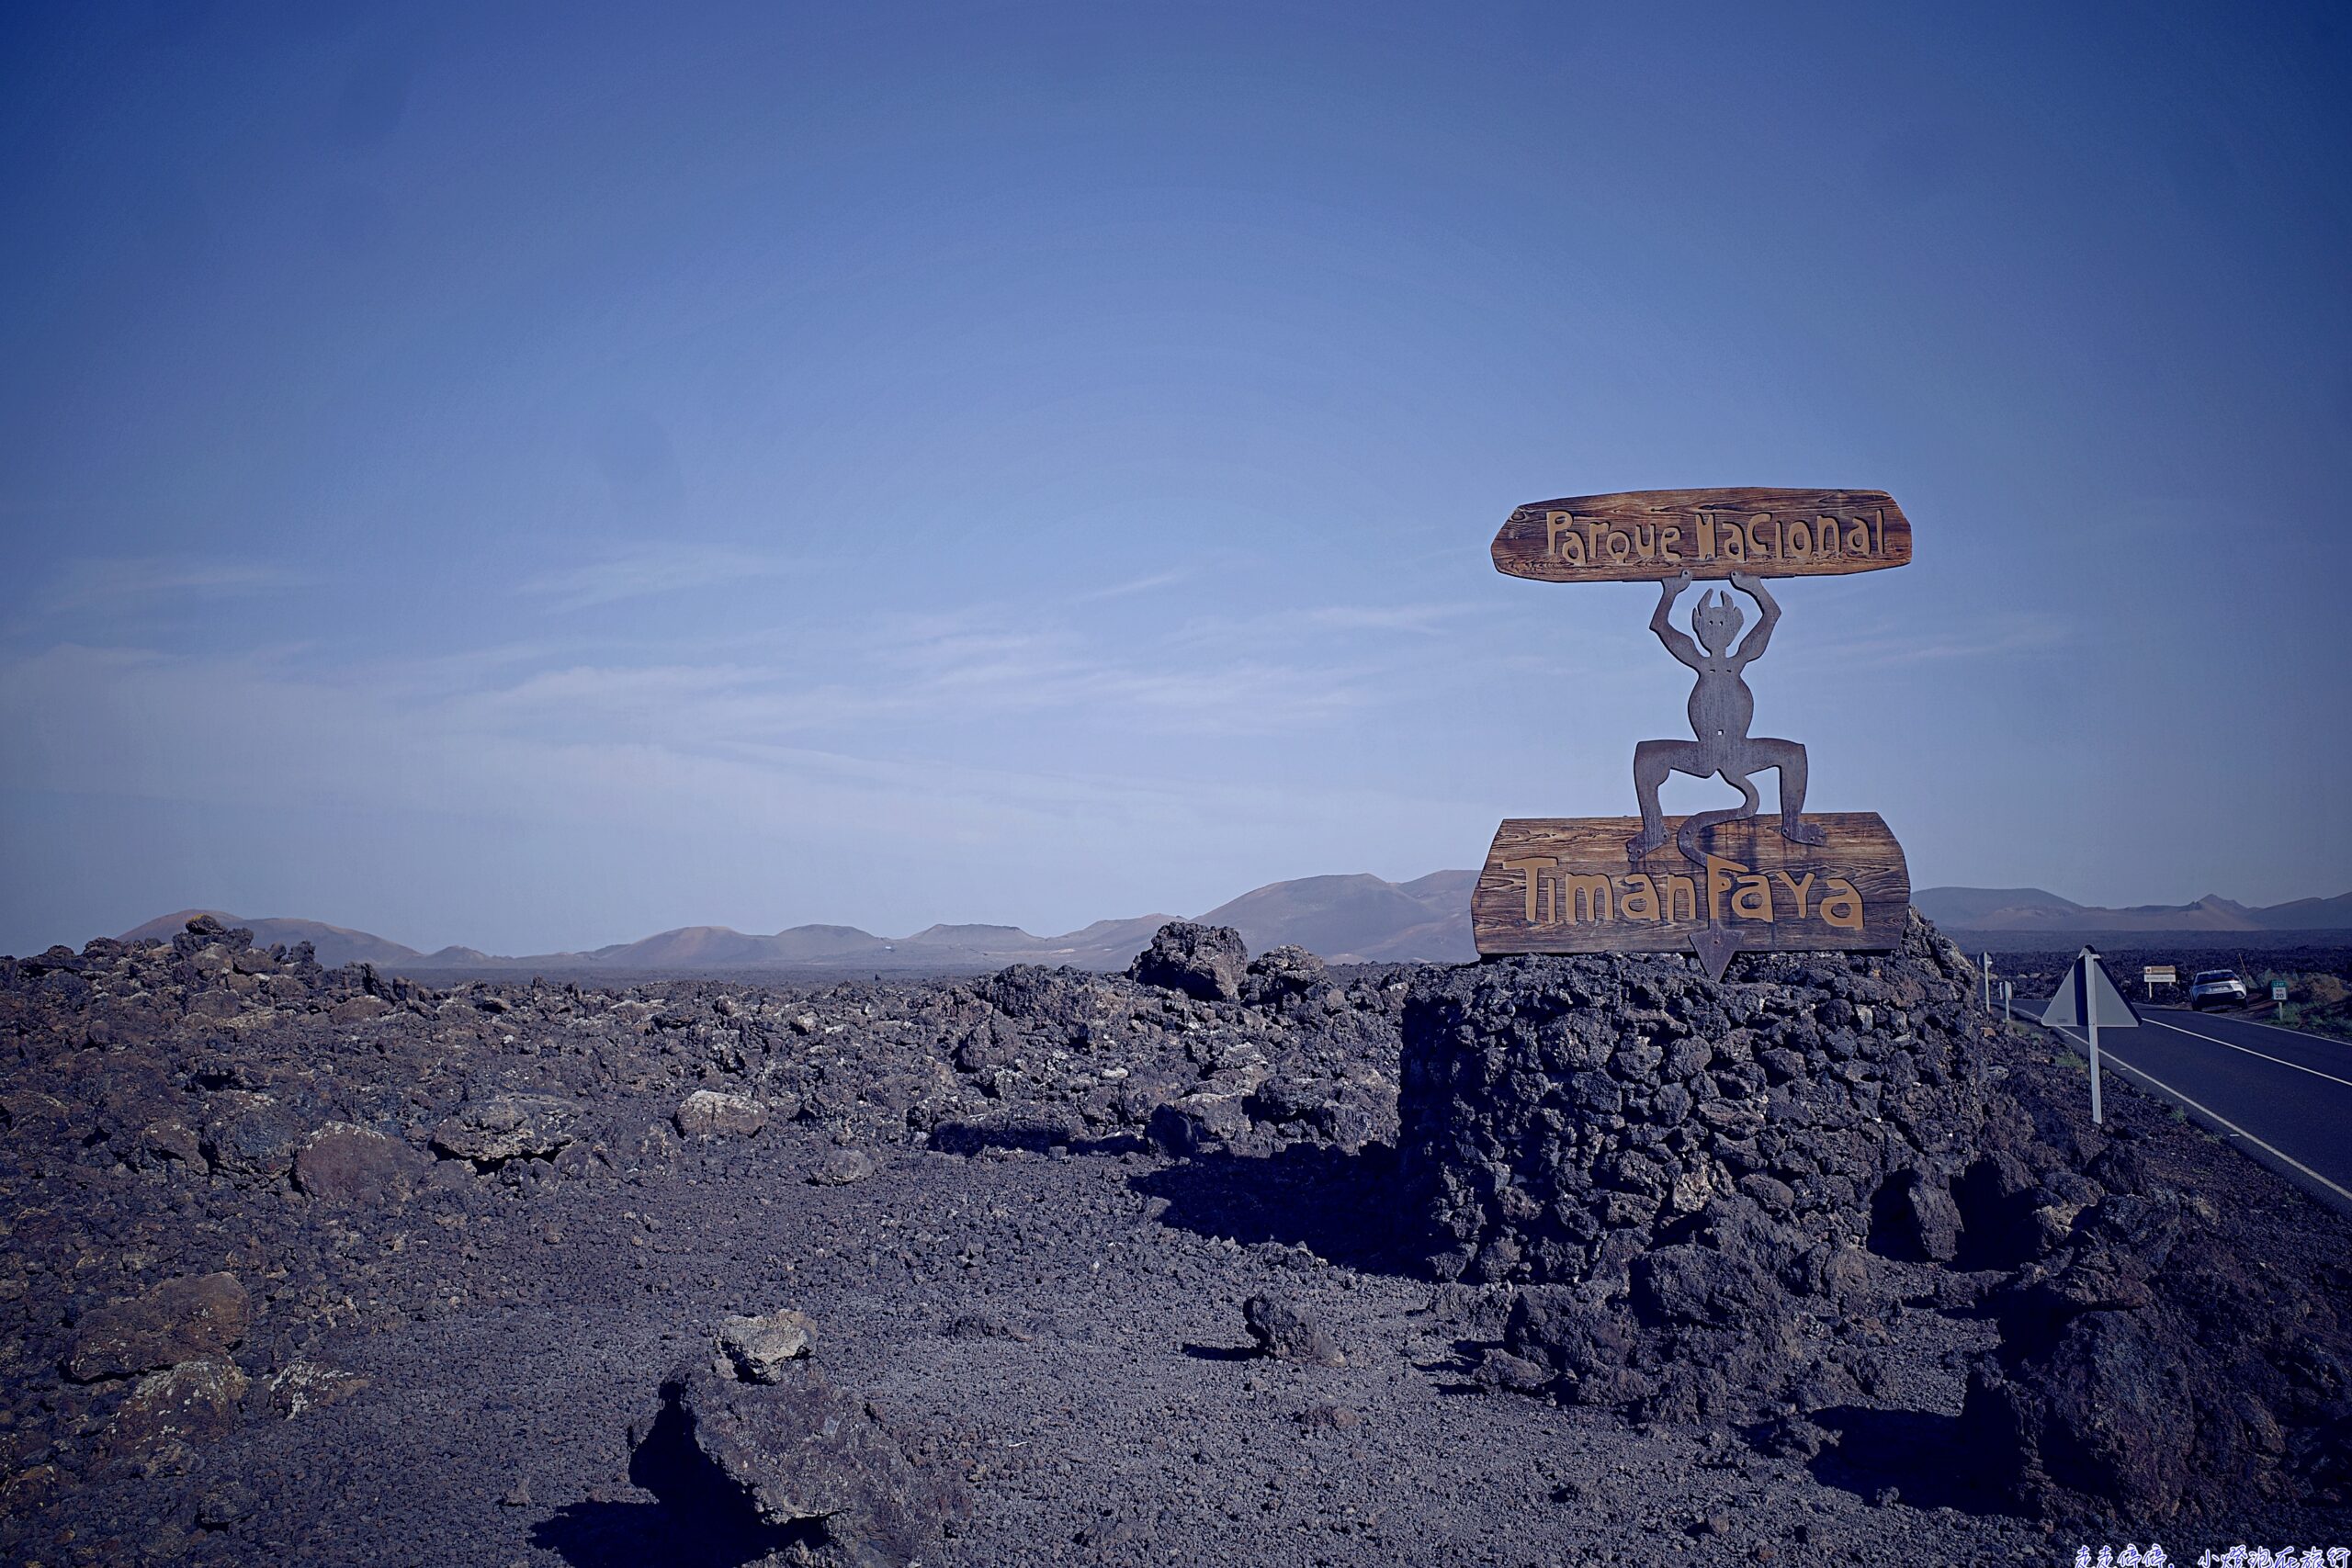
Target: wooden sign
point(1649, 535)
point(1569, 886)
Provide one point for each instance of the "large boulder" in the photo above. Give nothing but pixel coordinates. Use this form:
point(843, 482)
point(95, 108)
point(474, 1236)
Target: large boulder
point(709, 1113)
point(1196, 1122)
point(177, 1321)
point(358, 1009)
point(761, 1349)
point(1915, 1216)
point(184, 1405)
point(167, 1413)
point(1716, 1329)
point(2109, 1410)
point(2145, 1370)
point(1205, 962)
point(501, 1127)
point(794, 1463)
point(251, 1134)
point(1289, 979)
point(1696, 1285)
point(345, 1164)
point(1289, 1330)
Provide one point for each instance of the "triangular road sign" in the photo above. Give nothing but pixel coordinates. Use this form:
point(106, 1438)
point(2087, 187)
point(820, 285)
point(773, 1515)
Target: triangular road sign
point(2086, 997)
point(2065, 1010)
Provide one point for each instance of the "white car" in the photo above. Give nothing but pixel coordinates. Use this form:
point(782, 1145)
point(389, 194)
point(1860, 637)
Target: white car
point(2215, 986)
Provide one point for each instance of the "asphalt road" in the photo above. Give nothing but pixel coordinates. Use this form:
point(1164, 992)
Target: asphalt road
point(2283, 1096)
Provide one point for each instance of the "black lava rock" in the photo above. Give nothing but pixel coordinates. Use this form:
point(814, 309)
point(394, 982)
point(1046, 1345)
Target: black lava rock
point(1202, 962)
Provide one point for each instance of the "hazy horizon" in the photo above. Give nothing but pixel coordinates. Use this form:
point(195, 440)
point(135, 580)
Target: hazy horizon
point(529, 479)
point(425, 943)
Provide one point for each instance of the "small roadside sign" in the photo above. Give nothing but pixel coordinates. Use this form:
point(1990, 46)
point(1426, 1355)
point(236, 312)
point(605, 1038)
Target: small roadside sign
point(2277, 991)
point(2156, 975)
point(2085, 999)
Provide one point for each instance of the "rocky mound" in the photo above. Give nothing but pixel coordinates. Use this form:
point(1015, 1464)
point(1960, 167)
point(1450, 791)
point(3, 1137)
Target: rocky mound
point(1708, 1196)
point(1563, 1117)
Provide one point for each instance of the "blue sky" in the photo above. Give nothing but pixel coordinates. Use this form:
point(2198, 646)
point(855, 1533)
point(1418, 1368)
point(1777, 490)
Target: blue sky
point(529, 477)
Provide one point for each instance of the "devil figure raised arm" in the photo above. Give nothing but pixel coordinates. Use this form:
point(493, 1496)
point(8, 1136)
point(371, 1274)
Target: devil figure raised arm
point(1721, 708)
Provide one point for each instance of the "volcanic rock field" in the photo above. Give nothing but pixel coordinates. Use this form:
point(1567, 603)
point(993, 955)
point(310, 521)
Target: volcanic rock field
point(1224, 1260)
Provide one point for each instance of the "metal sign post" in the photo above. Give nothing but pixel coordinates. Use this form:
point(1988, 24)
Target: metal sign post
point(1988, 982)
point(2098, 1120)
point(2007, 991)
point(2085, 999)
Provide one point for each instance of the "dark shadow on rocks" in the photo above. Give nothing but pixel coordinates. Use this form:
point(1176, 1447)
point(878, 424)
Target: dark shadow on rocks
point(1459, 1371)
point(1221, 1352)
point(1916, 1452)
point(1342, 1207)
point(697, 1519)
point(627, 1534)
point(1031, 1135)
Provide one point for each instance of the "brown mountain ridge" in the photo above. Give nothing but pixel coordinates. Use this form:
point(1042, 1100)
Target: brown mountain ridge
point(1349, 919)
point(1360, 919)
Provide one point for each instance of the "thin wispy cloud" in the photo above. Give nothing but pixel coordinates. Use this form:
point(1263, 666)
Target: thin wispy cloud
point(647, 572)
point(912, 685)
point(1298, 627)
point(1998, 635)
point(973, 663)
point(144, 582)
point(1422, 618)
point(926, 830)
point(1133, 586)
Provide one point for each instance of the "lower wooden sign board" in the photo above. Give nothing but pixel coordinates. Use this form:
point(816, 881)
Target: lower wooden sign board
point(1570, 884)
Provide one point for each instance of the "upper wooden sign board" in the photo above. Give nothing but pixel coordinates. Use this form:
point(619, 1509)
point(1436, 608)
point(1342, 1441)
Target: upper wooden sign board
point(1649, 536)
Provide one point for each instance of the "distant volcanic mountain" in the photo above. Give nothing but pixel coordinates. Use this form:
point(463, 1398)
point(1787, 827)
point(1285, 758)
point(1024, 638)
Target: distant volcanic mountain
point(1345, 919)
point(334, 944)
point(1359, 919)
point(2021, 909)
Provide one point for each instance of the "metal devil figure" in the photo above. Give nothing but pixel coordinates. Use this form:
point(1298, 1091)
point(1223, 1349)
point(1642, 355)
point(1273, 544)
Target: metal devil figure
point(1732, 880)
point(1721, 708)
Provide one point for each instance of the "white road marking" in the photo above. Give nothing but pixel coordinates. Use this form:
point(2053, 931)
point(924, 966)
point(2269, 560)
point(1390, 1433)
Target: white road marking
point(2280, 1029)
point(2216, 1040)
point(2108, 1055)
